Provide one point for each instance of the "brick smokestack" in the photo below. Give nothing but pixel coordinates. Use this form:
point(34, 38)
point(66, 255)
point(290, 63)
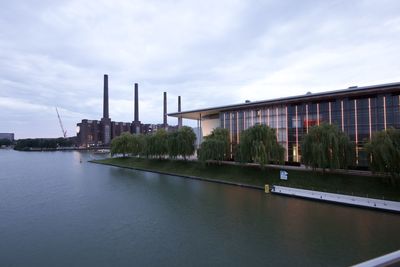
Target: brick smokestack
point(179, 110)
point(105, 97)
point(136, 112)
point(105, 121)
point(165, 110)
point(136, 126)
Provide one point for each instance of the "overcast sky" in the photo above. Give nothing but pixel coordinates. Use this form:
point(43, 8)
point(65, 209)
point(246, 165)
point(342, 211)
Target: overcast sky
point(211, 52)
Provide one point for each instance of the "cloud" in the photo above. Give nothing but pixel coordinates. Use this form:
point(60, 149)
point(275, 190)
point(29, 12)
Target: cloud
point(54, 53)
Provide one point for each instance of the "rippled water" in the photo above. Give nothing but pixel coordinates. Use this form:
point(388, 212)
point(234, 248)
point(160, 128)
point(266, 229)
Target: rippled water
point(58, 211)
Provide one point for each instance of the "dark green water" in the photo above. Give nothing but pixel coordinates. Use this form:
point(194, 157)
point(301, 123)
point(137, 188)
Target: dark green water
point(56, 211)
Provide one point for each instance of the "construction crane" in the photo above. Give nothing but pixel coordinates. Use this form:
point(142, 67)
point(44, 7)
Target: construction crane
point(64, 132)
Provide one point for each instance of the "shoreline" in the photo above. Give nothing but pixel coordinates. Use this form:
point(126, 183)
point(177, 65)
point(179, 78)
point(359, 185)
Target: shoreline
point(345, 200)
point(59, 149)
point(310, 195)
point(181, 175)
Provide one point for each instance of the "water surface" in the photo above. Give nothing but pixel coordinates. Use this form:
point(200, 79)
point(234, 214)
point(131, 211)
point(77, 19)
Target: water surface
point(56, 209)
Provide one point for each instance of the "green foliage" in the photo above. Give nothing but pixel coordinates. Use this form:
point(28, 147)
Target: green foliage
point(222, 135)
point(173, 145)
point(384, 149)
point(259, 144)
point(186, 140)
point(219, 134)
point(215, 146)
point(43, 143)
point(123, 144)
point(149, 149)
point(65, 142)
point(212, 149)
point(326, 147)
point(136, 144)
point(142, 147)
point(5, 142)
point(156, 144)
point(181, 143)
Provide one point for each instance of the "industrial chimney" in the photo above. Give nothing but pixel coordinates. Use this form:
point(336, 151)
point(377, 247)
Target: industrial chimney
point(105, 121)
point(105, 97)
point(136, 103)
point(165, 111)
point(136, 125)
point(179, 110)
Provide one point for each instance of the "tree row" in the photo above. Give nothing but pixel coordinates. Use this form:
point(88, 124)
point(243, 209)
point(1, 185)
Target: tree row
point(158, 145)
point(324, 147)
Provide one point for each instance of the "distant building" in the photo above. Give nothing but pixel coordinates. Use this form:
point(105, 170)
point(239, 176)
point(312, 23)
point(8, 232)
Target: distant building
point(99, 133)
point(357, 111)
point(89, 133)
point(8, 136)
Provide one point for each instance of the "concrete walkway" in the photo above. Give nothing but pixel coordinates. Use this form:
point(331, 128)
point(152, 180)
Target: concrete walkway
point(339, 198)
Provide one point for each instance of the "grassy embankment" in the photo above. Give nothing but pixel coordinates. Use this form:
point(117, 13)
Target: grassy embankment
point(374, 187)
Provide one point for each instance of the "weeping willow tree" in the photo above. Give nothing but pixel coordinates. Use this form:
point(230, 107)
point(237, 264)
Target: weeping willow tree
point(215, 146)
point(173, 145)
point(259, 144)
point(122, 144)
point(157, 144)
point(137, 144)
point(212, 149)
point(326, 147)
point(384, 150)
point(186, 139)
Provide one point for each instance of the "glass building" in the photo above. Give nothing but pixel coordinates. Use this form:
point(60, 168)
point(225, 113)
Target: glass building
point(357, 111)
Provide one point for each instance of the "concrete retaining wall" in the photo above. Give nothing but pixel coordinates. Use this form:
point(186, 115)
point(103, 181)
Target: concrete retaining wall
point(338, 198)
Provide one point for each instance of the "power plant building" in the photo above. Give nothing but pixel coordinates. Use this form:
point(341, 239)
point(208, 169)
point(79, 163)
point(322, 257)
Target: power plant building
point(357, 111)
point(99, 133)
point(8, 136)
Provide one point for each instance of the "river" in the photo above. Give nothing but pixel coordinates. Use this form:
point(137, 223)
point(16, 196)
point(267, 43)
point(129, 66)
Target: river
point(57, 209)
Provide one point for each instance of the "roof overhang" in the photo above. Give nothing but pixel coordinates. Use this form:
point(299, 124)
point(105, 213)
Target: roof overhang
point(349, 92)
point(196, 114)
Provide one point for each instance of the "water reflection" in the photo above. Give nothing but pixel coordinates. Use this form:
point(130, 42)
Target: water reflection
point(58, 211)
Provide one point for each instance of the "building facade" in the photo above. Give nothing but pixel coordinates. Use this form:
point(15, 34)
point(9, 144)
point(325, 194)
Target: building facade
point(99, 133)
point(8, 136)
point(90, 133)
point(357, 111)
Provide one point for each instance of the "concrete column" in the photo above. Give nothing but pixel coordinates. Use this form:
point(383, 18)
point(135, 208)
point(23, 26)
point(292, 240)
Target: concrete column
point(165, 111)
point(179, 110)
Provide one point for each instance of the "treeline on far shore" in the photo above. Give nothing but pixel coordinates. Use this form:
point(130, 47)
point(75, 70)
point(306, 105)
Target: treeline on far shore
point(43, 143)
point(6, 142)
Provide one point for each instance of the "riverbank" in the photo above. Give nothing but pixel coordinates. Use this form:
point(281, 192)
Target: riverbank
point(44, 149)
point(254, 176)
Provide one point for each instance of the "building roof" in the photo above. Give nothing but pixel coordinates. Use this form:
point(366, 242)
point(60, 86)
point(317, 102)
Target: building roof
point(348, 92)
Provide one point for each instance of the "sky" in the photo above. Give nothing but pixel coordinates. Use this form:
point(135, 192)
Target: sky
point(210, 52)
